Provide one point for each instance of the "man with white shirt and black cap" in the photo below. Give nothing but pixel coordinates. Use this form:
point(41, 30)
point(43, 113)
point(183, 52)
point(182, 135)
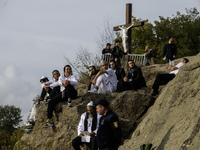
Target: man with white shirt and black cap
point(89, 122)
point(105, 81)
point(162, 79)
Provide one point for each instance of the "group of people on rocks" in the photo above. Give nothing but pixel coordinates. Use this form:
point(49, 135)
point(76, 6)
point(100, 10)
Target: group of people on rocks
point(102, 125)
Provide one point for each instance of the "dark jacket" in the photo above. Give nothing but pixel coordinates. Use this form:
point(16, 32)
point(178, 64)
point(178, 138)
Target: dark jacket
point(109, 132)
point(117, 52)
point(120, 73)
point(106, 51)
point(169, 51)
point(136, 76)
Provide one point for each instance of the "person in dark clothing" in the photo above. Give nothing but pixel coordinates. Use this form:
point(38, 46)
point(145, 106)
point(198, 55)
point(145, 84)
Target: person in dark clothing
point(120, 73)
point(109, 135)
point(163, 79)
point(107, 50)
point(117, 53)
point(135, 76)
point(89, 122)
point(169, 51)
point(92, 74)
point(151, 55)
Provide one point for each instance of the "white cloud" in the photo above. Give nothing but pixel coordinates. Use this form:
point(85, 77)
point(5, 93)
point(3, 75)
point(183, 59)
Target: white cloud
point(14, 91)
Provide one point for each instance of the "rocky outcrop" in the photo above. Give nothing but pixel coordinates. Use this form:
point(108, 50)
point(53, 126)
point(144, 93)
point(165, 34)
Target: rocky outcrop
point(169, 123)
point(172, 123)
point(129, 106)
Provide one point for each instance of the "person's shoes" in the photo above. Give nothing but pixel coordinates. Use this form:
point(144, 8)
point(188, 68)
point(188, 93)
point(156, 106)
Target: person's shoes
point(93, 91)
point(154, 93)
point(70, 103)
point(48, 124)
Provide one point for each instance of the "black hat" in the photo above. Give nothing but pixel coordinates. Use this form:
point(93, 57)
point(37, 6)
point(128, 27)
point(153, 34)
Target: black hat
point(117, 41)
point(108, 44)
point(102, 102)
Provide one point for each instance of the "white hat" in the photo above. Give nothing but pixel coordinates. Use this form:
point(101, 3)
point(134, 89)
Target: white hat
point(43, 77)
point(90, 103)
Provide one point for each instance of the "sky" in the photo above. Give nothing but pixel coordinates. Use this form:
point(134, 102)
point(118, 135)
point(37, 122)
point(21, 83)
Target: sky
point(35, 35)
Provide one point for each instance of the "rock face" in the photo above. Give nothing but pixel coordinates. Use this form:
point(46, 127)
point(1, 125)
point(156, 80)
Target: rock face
point(129, 106)
point(173, 122)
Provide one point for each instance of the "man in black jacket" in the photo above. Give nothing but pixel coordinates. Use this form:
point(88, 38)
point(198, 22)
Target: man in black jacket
point(117, 53)
point(120, 73)
point(135, 76)
point(109, 136)
point(169, 51)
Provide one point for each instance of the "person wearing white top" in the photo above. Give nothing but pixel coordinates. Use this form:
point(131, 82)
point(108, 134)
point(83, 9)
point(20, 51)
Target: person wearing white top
point(163, 79)
point(52, 87)
point(105, 81)
point(89, 122)
point(68, 83)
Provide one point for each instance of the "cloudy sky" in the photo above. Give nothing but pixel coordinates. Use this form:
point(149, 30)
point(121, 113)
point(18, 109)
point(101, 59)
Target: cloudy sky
point(35, 35)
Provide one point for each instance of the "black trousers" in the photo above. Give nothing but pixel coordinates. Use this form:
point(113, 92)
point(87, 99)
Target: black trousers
point(162, 79)
point(123, 86)
point(70, 92)
point(77, 142)
point(52, 92)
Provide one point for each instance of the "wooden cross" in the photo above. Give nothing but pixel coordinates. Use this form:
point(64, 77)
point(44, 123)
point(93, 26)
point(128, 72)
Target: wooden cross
point(128, 23)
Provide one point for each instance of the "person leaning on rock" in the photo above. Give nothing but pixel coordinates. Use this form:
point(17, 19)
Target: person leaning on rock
point(162, 79)
point(89, 122)
point(109, 135)
point(92, 74)
point(151, 55)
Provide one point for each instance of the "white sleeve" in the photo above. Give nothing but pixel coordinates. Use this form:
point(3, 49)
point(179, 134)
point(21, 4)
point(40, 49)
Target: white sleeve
point(60, 80)
point(48, 82)
point(81, 123)
point(73, 80)
point(180, 64)
point(109, 71)
point(55, 84)
point(98, 118)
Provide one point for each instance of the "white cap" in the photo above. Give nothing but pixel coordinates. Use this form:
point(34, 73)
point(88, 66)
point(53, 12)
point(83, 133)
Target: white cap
point(90, 103)
point(91, 65)
point(43, 77)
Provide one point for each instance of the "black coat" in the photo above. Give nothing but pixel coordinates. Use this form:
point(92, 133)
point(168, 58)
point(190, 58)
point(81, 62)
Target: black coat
point(109, 132)
point(120, 73)
point(137, 78)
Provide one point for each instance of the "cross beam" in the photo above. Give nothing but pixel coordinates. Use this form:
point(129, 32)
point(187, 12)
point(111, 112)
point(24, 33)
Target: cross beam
point(137, 24)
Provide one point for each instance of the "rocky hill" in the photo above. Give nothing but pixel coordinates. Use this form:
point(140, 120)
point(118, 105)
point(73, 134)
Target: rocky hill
point(170, 122)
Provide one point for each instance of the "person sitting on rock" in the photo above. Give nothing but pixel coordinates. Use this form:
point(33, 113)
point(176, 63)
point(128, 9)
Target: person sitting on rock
point(68, 83)
point(163, 79)
point(92, 74)
point(135, 78)
point(89, 123)
point(120, 73)
point(105, 81)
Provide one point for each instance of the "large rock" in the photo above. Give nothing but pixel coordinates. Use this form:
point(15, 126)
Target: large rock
point(129, 106)
point(173, 122)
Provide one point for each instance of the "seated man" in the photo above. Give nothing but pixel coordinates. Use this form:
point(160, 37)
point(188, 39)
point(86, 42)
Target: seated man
point(68, 83)
point(92, 74)
point(135, 77)
point(105, 81)
point(163, 79)
point(120, 73)
point(89, 122)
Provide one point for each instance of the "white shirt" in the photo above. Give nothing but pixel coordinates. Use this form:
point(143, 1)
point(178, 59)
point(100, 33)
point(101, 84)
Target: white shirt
point(89, 125)
point(111, 76)
point(178, 66)
point(72, 78)
point(53, 83)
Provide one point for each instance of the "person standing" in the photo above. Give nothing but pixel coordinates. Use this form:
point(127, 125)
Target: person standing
point(169, 51)
point(89, 122)
point(117, 53)
point(109, 135)
point(151, 55)
point(107, 50)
